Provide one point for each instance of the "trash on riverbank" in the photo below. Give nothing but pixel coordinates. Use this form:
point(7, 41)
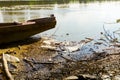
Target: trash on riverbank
point(51, 59)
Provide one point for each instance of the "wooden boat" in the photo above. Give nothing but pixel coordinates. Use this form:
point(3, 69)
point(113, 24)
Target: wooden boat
point(15, 31)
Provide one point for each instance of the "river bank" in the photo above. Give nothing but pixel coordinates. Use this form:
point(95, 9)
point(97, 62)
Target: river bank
point(38, 61)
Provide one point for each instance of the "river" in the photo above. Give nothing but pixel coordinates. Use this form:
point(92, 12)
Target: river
point(75, 19)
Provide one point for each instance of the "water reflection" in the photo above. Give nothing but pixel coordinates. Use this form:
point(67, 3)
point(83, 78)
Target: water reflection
point(41, 2)
point(1, 16)
point(80, 18)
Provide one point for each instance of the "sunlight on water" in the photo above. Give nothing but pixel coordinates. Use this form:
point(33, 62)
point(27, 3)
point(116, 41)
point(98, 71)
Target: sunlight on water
point(74, 6)
point(1, 17)
point(79, 20)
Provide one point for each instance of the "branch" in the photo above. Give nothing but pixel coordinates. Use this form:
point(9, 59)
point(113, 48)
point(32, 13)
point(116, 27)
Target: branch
point(5, 69)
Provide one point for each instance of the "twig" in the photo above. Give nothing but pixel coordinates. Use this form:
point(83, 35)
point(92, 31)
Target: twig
point(113, 54)
point(37, 62)
point(54, 31)
point(5, 69)
point(29, 62)
point(67, 59)
point(106, 34)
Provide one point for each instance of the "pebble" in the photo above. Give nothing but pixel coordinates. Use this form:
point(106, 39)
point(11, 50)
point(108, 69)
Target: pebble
point(106, 77)
point(71, 78)
point(117, 77)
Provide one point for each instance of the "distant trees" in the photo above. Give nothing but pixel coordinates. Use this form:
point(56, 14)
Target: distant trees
point(27, 2)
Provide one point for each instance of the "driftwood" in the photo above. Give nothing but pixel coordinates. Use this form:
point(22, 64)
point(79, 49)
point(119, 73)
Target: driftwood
point(7, 74)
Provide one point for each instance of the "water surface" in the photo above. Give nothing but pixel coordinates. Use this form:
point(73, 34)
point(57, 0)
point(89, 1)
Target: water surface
point(75, 20)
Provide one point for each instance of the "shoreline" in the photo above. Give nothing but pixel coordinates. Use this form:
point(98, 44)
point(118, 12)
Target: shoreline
point(42, 63)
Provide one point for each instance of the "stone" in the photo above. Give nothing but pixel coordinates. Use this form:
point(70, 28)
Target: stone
point(71, 78)
point(105, 77)
point(49, 47)
point(117, 77)
point(11, 58)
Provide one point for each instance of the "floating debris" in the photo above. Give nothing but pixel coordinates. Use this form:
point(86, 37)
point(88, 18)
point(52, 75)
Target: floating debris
point(67, 34)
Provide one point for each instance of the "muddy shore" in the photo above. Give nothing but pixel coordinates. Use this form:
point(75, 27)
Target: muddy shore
point(37, 63)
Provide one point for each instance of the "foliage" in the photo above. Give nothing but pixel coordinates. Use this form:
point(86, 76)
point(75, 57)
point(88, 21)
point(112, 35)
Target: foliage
point(35, 2)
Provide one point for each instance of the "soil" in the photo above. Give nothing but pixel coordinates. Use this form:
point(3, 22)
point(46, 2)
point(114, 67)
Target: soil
point(37, 63)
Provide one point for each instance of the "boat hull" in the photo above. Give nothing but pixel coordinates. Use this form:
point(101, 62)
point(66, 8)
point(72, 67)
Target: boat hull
point(10, 32)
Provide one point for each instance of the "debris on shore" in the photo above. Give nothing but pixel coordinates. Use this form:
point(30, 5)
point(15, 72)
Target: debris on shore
point(48, 58)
